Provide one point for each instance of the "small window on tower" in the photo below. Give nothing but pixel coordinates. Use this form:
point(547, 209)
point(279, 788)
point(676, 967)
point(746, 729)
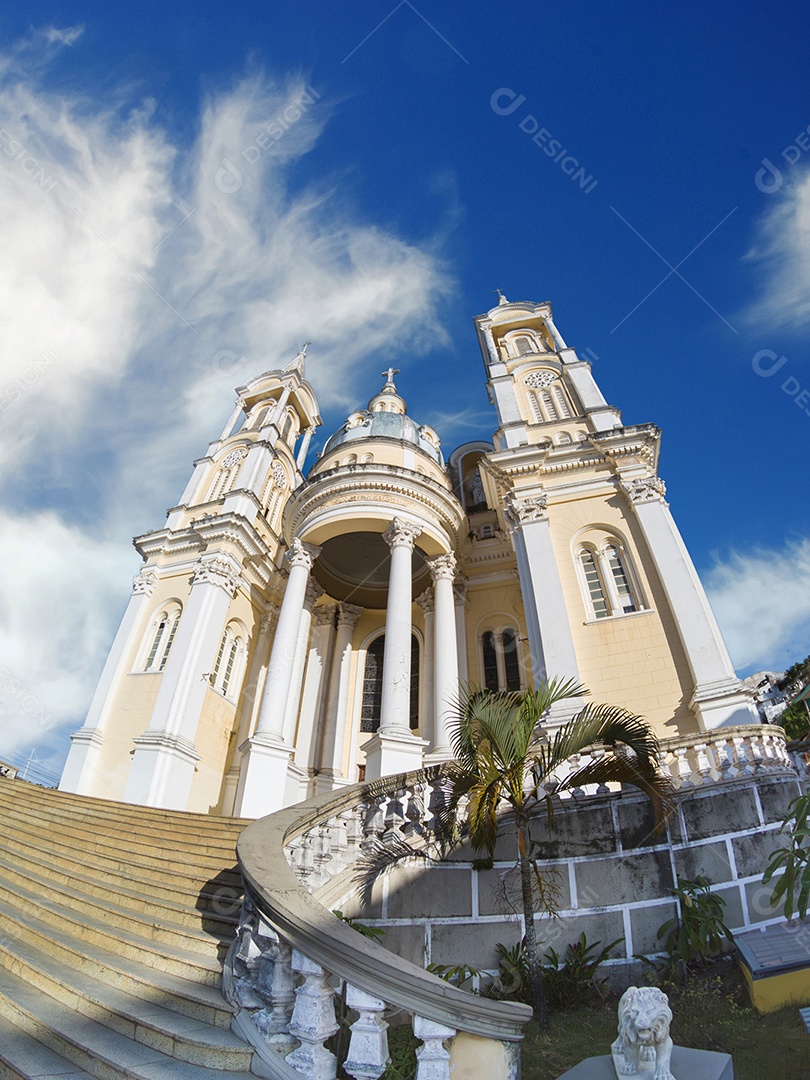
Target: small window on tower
point(160, 638)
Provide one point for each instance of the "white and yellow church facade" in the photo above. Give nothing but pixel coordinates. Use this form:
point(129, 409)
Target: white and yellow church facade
point(290, 633)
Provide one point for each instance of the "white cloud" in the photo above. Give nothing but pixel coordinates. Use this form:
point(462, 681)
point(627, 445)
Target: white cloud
point(762, 602)
point(65, 35)
point(129, 264)
point(782, 251)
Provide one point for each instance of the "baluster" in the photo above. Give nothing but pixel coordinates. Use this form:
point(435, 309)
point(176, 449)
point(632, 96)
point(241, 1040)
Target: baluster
point(395, 817)
point(684, 768)
point(415, 812)
point(743, 760)
point(313, 1021)
point(432, 1058)
point(577, 761)
point(598, 754)
point(373, 826)
point(756, 753)
point(725, 763)
point(368, 1046)
point(665, 764)
point(321, 855)
point(704, 765)
point(338, 844)
point(354, 832)
point(277, 987)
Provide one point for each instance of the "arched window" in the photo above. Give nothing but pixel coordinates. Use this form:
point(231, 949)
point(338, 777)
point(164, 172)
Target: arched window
point(160, 637)
point(486, 532)
point(610, 586)
point(371, 705)
point(523, 345)
point(523, 342)
point(227, 674)
point(500, 660)
point(289, 427)
point(229, 467)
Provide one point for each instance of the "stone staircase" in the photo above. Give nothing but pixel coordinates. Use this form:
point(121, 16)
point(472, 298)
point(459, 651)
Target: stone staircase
point(114, 921)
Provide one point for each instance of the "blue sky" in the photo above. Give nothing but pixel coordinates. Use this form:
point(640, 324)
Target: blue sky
point(140, 283)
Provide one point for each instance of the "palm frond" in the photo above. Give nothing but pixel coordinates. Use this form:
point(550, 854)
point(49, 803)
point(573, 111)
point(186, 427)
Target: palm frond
point(618, 767)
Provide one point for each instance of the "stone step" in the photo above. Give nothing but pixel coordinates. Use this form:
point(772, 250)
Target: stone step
point(195, 999)
point(154, 927)
point(178, 1036)
point(197, 965)
point(160, 866)
point(64, 802)
point(114, 836)
point(115, 875)
point(105, 1054)
point(214, 913)
point(23, 1058)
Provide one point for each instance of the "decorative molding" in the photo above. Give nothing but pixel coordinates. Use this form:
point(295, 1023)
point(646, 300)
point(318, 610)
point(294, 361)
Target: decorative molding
point(460, 593)
point(426, 601)
point(144, 584)
point(279, 475)
point(269, 619)
point(443, 566)
point(233, 458)
point(218, 571)
point(521, 512)
point(313, 593)
point(539, 380)
point(401, 533)
point(645, 489)
point(301, 554)
point(348, 614)
point(324, 615)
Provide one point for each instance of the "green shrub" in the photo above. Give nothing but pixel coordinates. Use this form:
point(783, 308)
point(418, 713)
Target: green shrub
point(698, 930)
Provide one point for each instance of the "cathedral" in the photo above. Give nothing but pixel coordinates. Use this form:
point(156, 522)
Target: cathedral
point(293, 632)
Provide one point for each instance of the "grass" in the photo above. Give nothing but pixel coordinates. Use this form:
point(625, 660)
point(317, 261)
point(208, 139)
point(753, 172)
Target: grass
point(711, 1012)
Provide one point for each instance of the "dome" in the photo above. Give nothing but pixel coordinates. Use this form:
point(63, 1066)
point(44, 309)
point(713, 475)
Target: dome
point(385, 418)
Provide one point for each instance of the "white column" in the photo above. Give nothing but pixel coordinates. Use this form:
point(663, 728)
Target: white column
point(316, 687)
point(445, 667)
point(311, 596)
point(427, 709)
point(460, 597)
point(550, 640)
point(330, 762)
point(165, 756)
point(81, 773)
point(284, 397)
point(231, 424)
point(718, 696)
point(556, 336)
point(394, 749)
point(266, 755)
point(304, 447)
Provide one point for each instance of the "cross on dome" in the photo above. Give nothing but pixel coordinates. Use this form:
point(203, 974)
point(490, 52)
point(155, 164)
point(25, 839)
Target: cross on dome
point(389, 374)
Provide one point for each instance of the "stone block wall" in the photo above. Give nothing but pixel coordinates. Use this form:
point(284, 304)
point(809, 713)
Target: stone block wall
point(612, 875)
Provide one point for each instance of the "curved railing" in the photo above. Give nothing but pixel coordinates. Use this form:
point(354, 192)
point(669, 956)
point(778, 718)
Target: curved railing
point(293, 861)
point(299, 862)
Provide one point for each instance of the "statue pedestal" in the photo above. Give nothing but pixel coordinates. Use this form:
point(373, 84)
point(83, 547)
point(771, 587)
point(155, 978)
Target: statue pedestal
point(686, 1064)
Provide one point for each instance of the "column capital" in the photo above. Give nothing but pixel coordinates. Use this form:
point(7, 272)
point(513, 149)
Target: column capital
point(520, 512)
point(645, 489)
point(269, 618)
point(324, 615)
point(218, 570)
point(426, 601)
point(460, 594)
point(144, 584)
point(401, 533)
point(313, 594)
point(301, 554)
point(442, 567)
point(348, 614)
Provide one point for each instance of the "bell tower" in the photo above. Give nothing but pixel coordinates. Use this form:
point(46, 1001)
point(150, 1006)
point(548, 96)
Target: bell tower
point(172, 685)
point(611, 596)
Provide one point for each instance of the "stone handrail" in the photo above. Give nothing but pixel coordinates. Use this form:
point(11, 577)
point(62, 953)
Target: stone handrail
point(287, 860)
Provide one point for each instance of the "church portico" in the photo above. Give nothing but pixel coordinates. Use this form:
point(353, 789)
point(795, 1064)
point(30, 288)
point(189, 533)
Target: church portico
point(294, 633)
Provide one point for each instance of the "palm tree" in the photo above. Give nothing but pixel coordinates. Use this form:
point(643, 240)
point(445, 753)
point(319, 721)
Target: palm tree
point(503, 756)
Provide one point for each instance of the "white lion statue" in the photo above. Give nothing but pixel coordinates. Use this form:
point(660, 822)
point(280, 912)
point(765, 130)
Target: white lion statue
point(643, 1047)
